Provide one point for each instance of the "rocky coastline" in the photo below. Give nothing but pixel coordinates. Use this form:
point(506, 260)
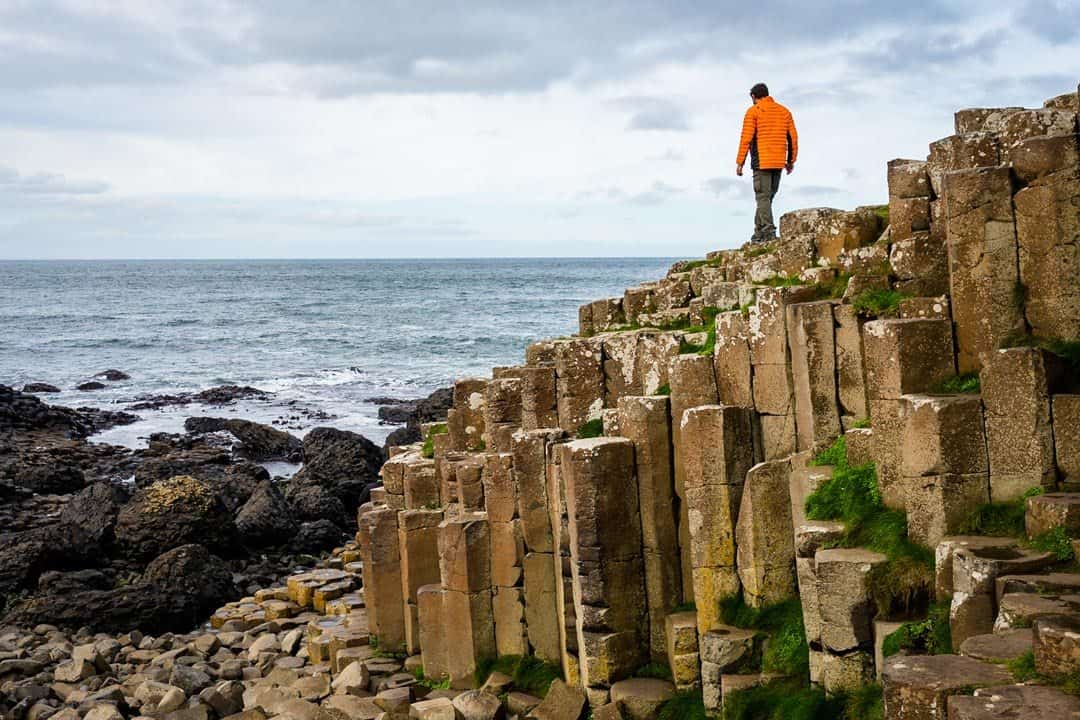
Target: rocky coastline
point(836, 476)
point(87, 527)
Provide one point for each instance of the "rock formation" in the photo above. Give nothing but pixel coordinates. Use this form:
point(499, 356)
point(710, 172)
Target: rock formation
point(777, 475)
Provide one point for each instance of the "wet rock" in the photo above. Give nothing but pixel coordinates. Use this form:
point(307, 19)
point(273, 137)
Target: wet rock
point(312, 502)
point(216, 396)
point(203, 424)
point(317, 536)
point(40, 387)
point(261, 442)
point(174, 512)
point(113, 375)
point(177, 590)
point(88, 386)
point(26, 555)
point(266, 518)
point(95, 510)
point(49, 477)
point(343, 463)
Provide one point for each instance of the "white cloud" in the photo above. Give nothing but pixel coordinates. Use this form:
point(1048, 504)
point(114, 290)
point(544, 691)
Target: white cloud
point(248, 129)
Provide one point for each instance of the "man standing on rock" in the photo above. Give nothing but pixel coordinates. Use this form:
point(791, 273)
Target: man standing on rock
point(768, 134)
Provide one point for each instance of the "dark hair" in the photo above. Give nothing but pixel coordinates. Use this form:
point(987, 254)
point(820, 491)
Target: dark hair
point(759, 91)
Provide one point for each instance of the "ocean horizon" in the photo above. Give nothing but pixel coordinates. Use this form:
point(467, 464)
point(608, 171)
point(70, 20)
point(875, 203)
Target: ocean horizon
point(325, 337)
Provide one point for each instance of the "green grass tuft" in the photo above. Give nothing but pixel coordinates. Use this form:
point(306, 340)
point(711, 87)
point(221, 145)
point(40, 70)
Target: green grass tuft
point(1000, 519)
point(745, 309)
point(1023, 667)
point(1056, 542)
point(862, 423)
point(852, 496)
point(664, 389)
point(758, 250)
point(529, 673)
point(660, 671)
point(835, 454)
point(684, 705)
point(931, 636)
point(966, 384)
point(786, 652)
point(878, 303)
point(882, 211)
point(428, 450)
point(591, 429)
point(789, 699)
point(782, 281)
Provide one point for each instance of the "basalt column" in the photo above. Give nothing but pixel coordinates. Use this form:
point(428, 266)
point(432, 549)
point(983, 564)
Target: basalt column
point(646, 422)
point(718, 450)
point(606, 560)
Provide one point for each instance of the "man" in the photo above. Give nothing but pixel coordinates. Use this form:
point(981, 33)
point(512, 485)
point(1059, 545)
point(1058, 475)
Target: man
point(768, 134)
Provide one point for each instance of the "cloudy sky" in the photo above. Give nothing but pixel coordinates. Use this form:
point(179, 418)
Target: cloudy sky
point(353, 128)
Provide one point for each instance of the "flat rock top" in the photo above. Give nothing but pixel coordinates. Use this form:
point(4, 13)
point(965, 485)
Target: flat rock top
point(849, 555)
point(998, 647)
point(1013, 701)
point(650, 689)
point(941, 672)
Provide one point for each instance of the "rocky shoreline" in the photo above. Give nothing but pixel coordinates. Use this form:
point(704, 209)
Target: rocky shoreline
point(92, 534)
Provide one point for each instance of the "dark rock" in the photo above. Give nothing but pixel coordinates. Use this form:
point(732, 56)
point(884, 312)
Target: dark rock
point(113, 375)
point(313, 537)
point(236, 484)
point(312, 502)
point(24, 556)
point(95, 510)
point(56, 582)
point(92, 385)
point(397, 414)
point(217, 396)
point(201, 425)
point(174, 512)
point(42, 476)
point(342, 462)
point(96, 420)
point(266, 518)
point(19, 411)
point(175, 593)
point(403, 436)
point(40, 387)
point(262, 442)
point(434, 407)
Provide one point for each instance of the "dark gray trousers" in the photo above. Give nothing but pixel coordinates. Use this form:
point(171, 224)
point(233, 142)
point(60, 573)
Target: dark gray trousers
point(766, 183)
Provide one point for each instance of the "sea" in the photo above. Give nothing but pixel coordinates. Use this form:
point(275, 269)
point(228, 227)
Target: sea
point(323, 336)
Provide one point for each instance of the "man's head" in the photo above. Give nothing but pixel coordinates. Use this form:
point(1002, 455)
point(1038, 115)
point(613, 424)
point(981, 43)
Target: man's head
point(759, 91)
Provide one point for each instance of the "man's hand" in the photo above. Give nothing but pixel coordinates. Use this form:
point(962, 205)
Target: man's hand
point(738, 170)
point(790, 167)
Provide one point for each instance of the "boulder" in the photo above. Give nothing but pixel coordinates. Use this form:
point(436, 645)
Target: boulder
point(317, 536)
point(478, 705)
point(175, 592)
point(262, 442)
point(89, 386)
point(266, 518)
point(312, 502)
point(174, 512)
point(641, 698)
point(95, 510)
point(40, 387)
point(343, 463)
point(562, 702)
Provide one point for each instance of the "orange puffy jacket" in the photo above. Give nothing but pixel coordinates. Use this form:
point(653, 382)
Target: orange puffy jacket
point(768, 134)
